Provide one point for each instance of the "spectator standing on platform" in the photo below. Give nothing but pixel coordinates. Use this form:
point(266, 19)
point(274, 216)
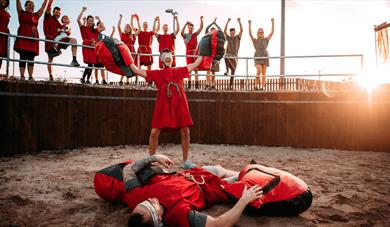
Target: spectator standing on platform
point(210, 80)
point(191, 42)
point(128, 37)
point(165, 40)
point(233, 45)
point(89, 34)
point(4, 21)
point(28, 26)
point(261, 43)
point(99, 29)
point(145, 40)
point(56, 31)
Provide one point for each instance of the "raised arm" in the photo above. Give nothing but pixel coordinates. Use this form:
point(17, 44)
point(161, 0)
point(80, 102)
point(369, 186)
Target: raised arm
point(83, 9)
point(250, 30)
point(48, 7)
point(101, 26)
point(156, 24)
point(208, 27)
point(113, 31)
point(177, 26)
point(194, 65)
point(272, 29)
point(183, 29)
point(239, 22)
point(19, 6)
point(120, 24)
point(42, 9)
point(201, 26)
point(230, 217)
point(139, 72)
point(139, 26)
point(226, 26)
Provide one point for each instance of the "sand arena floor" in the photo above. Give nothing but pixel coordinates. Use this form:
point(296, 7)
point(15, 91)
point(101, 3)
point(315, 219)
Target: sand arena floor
point(55, 188)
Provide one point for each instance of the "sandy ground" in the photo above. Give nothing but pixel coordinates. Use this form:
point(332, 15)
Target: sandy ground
point(55, 188)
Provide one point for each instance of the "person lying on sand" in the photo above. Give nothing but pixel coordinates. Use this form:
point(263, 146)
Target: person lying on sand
point(175, 198)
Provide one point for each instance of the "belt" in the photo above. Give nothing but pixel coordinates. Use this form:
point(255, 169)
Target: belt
point(169, 93)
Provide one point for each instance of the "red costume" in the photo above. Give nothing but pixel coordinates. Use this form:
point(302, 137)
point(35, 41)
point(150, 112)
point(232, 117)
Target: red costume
point(50, 26)
point(145, 40)
point(283, 193)
point(90, 37)
point(114, 55)
point(179, 195)
point(191, 47)
point(167, 42)
point(4, 18)
point(130, 41)
point(28, 26)
point(171, 109)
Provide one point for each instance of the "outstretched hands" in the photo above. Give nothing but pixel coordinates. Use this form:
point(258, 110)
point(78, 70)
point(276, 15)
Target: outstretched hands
point(164, 160)
point(251, 194)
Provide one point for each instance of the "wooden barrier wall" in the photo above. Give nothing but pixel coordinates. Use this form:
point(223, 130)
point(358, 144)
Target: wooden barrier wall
point(39, 116)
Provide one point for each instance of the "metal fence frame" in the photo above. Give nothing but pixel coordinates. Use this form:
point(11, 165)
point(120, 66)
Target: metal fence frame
point(246, 75)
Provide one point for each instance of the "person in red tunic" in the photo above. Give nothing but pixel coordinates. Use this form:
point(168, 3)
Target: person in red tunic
point(52, 27)
point(175, 199)
point(145, 40)
point(191, 42)
point(89, 34)
point(165, 40)
point(28, 26)
point(4, 21)
point(128, 37)
point(171, 109)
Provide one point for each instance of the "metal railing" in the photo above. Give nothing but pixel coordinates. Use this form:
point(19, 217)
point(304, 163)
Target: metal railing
point(247, 76)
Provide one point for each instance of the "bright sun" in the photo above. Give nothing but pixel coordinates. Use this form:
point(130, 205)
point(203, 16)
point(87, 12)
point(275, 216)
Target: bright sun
point(370, 79)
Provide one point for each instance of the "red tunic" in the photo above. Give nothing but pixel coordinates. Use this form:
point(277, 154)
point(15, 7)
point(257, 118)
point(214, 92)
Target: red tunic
point(89, 36)
point(50, 26)
point(171, 109)
point(179, 195)
point(167, 42)
point(130, 41)
point(4, 21)
point(145, 40)
point(191, 46)
point(28, 26)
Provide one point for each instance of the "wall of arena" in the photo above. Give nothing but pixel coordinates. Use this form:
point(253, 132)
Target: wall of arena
point(42, 116)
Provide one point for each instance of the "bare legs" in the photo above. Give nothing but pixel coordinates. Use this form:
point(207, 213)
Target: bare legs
point(185, 141)
point(260, 69)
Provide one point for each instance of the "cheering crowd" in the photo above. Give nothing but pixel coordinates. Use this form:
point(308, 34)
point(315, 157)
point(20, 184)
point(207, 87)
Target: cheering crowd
point(56, 27)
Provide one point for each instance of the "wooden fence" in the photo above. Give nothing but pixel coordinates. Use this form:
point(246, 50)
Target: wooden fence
point(38, 116)
point(272, 84)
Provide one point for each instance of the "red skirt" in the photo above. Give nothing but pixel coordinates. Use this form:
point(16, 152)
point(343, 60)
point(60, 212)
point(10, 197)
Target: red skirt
point(89, 55)
point(4, 45)
point(145, 60)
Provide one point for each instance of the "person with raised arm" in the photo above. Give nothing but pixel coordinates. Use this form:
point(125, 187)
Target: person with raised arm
point(261, 43)
point(89, 34)
point(165, 40)
point(54, 30)
point(28, 26)
point(191, 42)
point(4, 18)
point(233, 45)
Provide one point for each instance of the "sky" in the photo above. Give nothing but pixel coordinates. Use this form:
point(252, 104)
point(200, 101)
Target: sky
point(313, 27)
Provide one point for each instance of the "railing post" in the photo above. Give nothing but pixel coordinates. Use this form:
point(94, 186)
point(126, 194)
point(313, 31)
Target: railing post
point(8, 49)
point(247, 74)
point(13, 63)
